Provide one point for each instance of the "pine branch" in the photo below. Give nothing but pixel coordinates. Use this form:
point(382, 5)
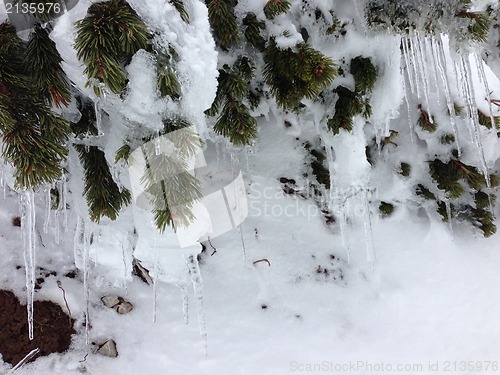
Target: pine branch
point(223, 21)
point(179, 5)
point(46, 71)
point(275, 7)
point(296, 74)
point(252, 31)
point(425, 120)
point(109, 35)
point(33, 136)
point(364, 73)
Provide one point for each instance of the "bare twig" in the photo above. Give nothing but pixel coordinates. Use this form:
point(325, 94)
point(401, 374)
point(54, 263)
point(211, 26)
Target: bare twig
point(84, 358)
point(212, 246)
point(66, 302)
point(262, 260)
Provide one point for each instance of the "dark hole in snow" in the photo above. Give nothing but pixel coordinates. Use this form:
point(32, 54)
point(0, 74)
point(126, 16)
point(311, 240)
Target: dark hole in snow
point(52, 329)
point(263, 307)
point(16, 221)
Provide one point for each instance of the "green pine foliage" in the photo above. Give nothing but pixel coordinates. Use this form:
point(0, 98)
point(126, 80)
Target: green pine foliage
point(485, 120)
point(364, 73)
point(253, 27)
point(107, 38)
point(296, 73)
point(104, 197)
point(479, 25)
point(179, 5)
point(426, 121)
point(167, 82)
point(223, 22)
point(235, 121)
point(405, 169)
point(318, 158)
point(46, 71)
point(33, 137)
point(452, 176)
point(171, 189)
point(348, 105)
point(386, 209)
point(275, 7)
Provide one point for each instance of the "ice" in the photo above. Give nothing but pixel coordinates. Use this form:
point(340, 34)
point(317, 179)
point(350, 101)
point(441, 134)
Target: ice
point(156, 280)
point(370, 249)
point(440, 58)
point(23, 361)
point(410, 121)
point(27, 211)
point(408, 62)
point(471, 108)
point(430, 51)
point(448, 215)
point(185, 302)
point(484, 81)
point(194, 272)
point(87, 238)
point(414, 65)
point(422, 67)
point(47, 210)
point(343, 232)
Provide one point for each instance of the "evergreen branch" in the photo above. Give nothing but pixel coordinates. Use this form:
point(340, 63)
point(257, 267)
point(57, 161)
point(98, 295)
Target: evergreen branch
point(179, 5)
point(275, 7)
point(223, 22)
point(46, 71)
point(109, 35)
point(252, 31)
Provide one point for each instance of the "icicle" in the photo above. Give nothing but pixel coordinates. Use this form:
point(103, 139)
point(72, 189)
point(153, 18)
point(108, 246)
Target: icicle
point(217, 152)
point(185, 303)
point(441, 64)
point(3, 183)
point(87, 235)
point(158, 143)
point(63, 198)
point(98, 116)
point(410, 121)
point(482, 77)
point(156, 280)
point(421, 61)
point(23, 361)
point(448, 214)
point(429, 46)
point(48, 211)
point(414, 64)
point(57, 228)
point(27, 211)
point(343, 232)
point(468, 92)
point(370, 250)
point(247, 159)
point(194, 271)
point(409, 67)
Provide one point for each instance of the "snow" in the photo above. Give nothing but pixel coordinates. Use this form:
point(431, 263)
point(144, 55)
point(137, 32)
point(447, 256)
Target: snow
point(407, 289)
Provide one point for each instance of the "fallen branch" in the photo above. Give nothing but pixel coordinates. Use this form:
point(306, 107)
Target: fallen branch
point(66, 302)
point(262, 260)
point(212, 246)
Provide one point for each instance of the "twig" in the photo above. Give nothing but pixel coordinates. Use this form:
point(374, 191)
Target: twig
point(66, 302)
point(262, 260)
point(212, 246)
point(84, 358)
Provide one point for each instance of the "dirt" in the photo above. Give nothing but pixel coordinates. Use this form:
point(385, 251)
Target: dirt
point(52, 328)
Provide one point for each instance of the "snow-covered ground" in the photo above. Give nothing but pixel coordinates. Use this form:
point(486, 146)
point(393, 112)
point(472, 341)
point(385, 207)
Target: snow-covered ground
point(283, 293)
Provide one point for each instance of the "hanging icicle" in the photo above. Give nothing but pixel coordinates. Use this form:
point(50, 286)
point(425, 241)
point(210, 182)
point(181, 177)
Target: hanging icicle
point(471, 108)
point(484, 81)
point(194, 272)
point(440, 57)
point(448, 214)
point(185, 302)
point(27, 212)
point(87, 239)
point(370, 249)
point(48, 210)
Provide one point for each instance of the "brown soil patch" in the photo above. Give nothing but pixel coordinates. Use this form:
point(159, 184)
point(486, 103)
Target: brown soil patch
point(52, 329)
